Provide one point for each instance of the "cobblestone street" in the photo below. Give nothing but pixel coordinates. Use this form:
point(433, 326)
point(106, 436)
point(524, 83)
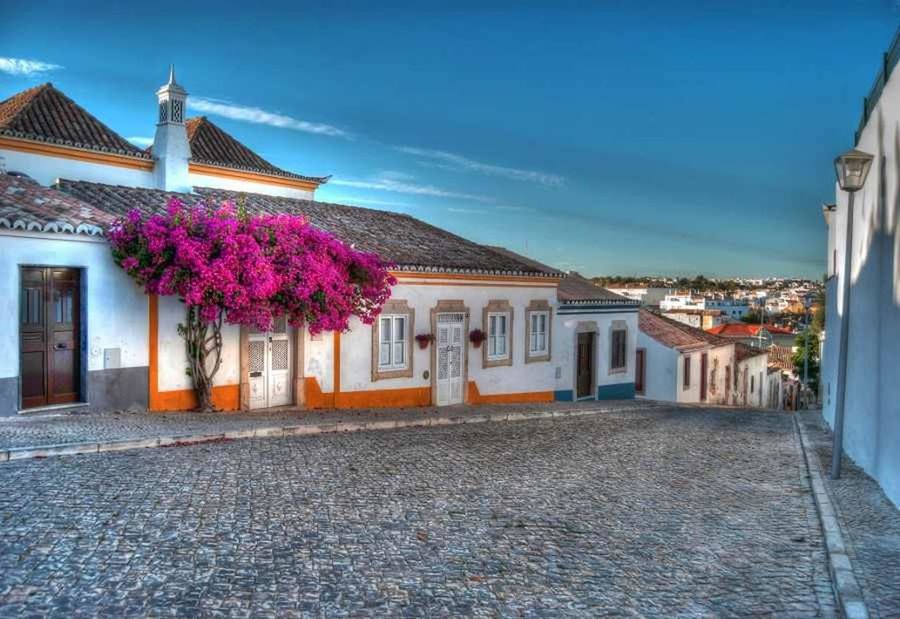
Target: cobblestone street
point(652, 512)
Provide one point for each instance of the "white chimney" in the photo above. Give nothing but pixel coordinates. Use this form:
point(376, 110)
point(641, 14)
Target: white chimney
point(171, 150)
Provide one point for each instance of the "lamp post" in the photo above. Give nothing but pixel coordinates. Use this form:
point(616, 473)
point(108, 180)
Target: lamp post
point(851, 169)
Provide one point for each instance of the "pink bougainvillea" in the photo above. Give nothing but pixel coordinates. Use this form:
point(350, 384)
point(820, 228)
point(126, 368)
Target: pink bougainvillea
point(248, 270)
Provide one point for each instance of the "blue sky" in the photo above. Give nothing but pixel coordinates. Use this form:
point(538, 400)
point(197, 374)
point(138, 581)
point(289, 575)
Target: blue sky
point(609, 137)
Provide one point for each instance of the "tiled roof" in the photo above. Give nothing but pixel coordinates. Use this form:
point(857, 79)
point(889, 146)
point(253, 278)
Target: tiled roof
point(411, 244)
point(211, 145)
point(742, 351)
point(745, 329)
point(45, 114)
point(675, 334)
point(694, 312)
point(573, 288)
point(26, 205)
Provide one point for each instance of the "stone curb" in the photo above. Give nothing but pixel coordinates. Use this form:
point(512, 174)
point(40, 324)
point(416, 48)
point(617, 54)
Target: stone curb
point(843, 580)
point(330, 427)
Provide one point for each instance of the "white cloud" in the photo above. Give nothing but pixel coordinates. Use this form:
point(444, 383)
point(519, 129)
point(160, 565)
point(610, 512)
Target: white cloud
point(458, 162)
point(517, 209)
point(262, 117)
point(388, 184)
point(352, 200)
point(468, 211)
point(140, 140)
point(25, 66)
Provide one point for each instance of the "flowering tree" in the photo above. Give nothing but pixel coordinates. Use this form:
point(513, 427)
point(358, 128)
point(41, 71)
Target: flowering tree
point(227, 266)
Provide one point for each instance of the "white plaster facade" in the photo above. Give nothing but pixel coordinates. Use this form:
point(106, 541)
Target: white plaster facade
point(872, 408)
point(46, 169)
point(238, 184)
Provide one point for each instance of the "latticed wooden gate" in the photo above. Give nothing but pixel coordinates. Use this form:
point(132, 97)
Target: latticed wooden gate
point(450, 361)
point(270, 366)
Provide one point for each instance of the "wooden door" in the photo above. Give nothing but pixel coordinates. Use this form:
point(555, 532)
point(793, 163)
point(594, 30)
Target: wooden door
point(704, 362)
point(269, 366)
point(639, 370)
point(50, 338)
point(585, 365)
point(450, 359)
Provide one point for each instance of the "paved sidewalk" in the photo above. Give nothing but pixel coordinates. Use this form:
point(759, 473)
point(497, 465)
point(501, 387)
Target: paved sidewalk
point(42, 431)
point(869, 521)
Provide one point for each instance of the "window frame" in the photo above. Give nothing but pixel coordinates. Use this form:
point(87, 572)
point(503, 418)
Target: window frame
point(686, 373)
point(394, 310)
point(495, 319)
point(393, 341)
point(538, 307)
point(497, 308)
point(613, 368)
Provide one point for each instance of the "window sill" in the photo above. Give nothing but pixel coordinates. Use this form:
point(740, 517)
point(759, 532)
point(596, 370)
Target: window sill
point(537, 358)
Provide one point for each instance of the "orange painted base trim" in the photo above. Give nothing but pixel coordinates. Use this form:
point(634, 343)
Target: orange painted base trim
point(225, 398)
point(475, 397)
point(385, 398)
point(313, 397)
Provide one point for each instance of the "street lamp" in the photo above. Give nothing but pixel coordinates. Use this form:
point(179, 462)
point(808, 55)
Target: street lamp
point(851, 169)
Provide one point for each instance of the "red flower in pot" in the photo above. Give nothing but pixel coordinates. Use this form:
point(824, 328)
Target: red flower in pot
point(477, 336)
point(424, 339)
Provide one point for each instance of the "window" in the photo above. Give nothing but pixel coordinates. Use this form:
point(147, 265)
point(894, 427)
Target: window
point(392, 342)
point(537, 344)
point(619, 359)
point(392, 353)
point(687, 373)
point(498, 338)
point(497, 350)
point(538, 324)
point(752, 382)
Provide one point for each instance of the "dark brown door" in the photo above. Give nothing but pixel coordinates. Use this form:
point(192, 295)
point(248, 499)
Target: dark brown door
point(50, 338)
point(585, 371)
point(704, 360)
point(639, 371)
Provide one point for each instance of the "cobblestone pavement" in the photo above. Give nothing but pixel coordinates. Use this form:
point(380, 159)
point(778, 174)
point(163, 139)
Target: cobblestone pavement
point(657, 512)
point(28, 431)
point(869, 521)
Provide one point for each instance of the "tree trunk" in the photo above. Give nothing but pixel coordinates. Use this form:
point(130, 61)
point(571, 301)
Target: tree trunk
point(203, 345)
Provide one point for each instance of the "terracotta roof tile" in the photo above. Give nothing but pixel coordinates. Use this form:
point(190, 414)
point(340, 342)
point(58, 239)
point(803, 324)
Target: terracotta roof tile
point(26, 205)
point(745, 329)
point(408, 242)
point(211, 145)
point(45, 114)
point(742, 351)
point(676, 334)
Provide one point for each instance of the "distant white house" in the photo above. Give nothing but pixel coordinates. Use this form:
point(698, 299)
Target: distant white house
point(681, 363)
point(872, 408)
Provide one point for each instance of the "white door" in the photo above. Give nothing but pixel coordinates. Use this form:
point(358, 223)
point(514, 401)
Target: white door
point(450, 358)
point(270, 366)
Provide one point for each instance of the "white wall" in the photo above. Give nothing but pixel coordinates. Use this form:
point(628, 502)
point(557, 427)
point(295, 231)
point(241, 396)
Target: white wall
point(117, 308)
point(757, 367)
point(719, 358)
point(692, 393)
point(567, 325)
point(872, 412)
point(173, 356)
point(356, 346)
point(661, 381)
point(46, 170)
point(236, 184)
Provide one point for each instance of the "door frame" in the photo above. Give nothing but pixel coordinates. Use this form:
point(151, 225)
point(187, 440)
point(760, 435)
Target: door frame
point(82, 338)
point(704, 379)
point(586, 326)
point(296, 338)
point(594, 339)
point(642, 378)
point(450, 306)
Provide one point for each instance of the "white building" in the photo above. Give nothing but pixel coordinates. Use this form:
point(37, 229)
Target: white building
point(76, 331)
point(733, 309)
point(645, 295)
point(681, 363)
point(872, 405)
point(683, 301)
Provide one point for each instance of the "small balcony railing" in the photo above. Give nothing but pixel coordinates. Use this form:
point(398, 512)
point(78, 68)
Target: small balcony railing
point(889, 61)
